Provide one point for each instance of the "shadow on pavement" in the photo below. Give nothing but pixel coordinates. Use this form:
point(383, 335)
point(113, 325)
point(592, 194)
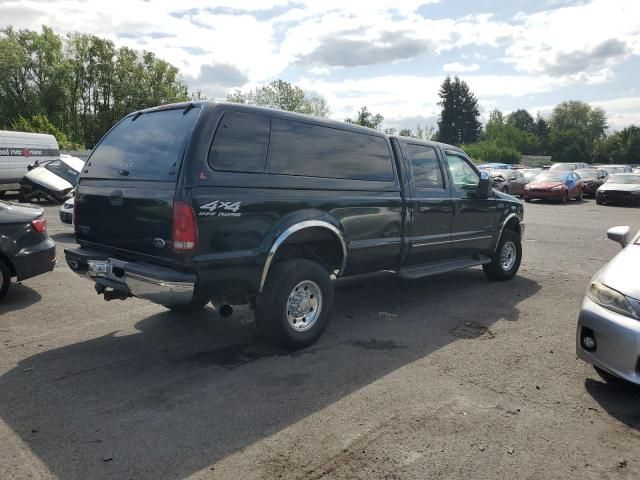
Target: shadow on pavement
point(619, 399)
point(18, 297)
point(184, 392)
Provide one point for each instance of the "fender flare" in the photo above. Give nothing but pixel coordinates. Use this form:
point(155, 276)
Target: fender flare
point(296, 228)
point(507, 219)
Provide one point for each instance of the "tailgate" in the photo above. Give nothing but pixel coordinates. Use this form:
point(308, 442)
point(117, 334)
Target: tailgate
point(129, 216)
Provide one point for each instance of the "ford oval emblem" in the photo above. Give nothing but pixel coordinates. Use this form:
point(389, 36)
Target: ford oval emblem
point(159, 243)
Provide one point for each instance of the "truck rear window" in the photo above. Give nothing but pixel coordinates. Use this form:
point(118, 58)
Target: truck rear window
point(149, 147)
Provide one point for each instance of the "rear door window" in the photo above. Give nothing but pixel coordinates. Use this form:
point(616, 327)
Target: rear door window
point(240, 143)
point(426, 168)
point(304, 149)
point(147, 147)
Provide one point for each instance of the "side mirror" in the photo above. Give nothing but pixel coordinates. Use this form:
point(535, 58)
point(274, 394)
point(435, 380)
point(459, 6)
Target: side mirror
point(484, 186)
point(621, 235)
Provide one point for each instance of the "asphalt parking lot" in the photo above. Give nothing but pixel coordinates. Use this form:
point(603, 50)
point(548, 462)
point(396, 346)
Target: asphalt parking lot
point(446, 377)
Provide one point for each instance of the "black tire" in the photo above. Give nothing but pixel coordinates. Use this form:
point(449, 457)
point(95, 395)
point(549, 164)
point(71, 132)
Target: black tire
point(5, 278)
point(580, 196)
point(527, 199)
point(496, 270)
point(599, 202)
point(272, 315)
point(565, 198)
point(193, 306)
point(608, 377)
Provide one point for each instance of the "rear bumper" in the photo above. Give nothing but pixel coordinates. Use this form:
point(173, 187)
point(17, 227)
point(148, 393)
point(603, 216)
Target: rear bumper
point(35, 259)
point(617, 339)
point(120, 279)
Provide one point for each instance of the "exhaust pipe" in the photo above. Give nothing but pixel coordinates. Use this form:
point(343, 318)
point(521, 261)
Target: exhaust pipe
point(222, 307)
point(225, 310)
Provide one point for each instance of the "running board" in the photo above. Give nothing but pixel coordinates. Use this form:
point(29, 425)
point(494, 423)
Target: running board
point(443, 266)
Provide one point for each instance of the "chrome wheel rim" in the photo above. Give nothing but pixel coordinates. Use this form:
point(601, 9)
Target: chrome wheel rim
point(304, 305)
point(508, 256)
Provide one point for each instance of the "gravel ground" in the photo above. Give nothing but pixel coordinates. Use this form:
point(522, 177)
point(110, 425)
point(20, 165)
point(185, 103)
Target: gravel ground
point(446, 377)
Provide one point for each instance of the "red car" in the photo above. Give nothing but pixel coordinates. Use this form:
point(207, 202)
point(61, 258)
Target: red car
point(592, 179)
point(559, 186)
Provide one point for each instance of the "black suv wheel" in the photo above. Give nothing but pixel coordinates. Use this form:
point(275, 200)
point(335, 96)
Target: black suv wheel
point(506, 261)
point(295, 307)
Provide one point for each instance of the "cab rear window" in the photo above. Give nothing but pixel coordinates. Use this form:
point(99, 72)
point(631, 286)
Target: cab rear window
point(147, 147)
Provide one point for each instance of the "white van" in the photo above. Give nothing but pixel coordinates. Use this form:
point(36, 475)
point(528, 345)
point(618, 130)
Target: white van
point(18, 150)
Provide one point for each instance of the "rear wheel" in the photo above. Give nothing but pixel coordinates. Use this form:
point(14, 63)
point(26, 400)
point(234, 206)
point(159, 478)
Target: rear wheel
point(506, 260)
point(5, 278)
point(295, 307)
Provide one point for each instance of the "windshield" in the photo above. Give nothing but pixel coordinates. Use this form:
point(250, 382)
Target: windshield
point(563, 167)
point(63, 170)
point(550, 177)
point(588, 173)
point(630, 178)
point(146, 146)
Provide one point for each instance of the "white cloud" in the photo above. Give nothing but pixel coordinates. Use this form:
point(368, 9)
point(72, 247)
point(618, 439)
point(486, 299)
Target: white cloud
point(584, 38)
point(460, 67)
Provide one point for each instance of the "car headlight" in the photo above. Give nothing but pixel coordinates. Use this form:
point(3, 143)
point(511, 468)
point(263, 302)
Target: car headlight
point(610, 299)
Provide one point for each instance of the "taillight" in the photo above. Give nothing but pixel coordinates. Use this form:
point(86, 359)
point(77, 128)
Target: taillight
point(184, 232)
point(39, 224)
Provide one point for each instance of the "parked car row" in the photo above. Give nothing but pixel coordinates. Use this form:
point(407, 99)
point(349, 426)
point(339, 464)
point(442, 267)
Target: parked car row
point(32, 165)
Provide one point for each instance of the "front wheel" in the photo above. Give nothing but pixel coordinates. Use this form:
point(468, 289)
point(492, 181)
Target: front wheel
point(5, 278)
point(295, 307)
point(506, 260)
point(580, 196)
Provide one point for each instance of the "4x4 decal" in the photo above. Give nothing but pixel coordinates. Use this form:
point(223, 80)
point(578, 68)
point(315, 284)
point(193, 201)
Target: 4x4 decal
point(218, 208)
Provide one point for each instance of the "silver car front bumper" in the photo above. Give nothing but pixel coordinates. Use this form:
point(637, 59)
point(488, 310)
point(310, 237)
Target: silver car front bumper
point(617, 348)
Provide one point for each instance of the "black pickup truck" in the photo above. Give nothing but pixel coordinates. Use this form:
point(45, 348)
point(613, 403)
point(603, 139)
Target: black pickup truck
point(190, 203)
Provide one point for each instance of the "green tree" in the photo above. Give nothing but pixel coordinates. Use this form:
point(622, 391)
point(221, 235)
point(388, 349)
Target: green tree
point(522, 120)
point(620, 147)
point(458, 121)
point(81, 83)
point(284, 96)
point(41, 124)
point(406, 132)
point(575, 129)
point(366, 119)
point(488, 151)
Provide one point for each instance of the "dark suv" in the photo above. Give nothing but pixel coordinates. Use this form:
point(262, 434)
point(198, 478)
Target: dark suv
point(196, 202)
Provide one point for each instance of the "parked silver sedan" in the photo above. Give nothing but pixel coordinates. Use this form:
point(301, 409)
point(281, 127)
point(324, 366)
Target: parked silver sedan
point(608, 335)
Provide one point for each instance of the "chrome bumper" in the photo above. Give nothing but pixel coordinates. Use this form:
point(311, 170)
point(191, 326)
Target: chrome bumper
point(150, 282)
point(617, 339)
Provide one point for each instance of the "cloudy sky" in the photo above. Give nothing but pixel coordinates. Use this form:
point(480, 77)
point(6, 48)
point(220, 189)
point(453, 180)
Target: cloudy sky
point(388, 55)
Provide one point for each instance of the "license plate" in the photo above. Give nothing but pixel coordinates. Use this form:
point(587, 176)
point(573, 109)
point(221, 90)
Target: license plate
point(98, 267)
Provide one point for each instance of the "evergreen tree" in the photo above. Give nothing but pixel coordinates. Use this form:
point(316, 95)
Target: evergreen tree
point(458, 121)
